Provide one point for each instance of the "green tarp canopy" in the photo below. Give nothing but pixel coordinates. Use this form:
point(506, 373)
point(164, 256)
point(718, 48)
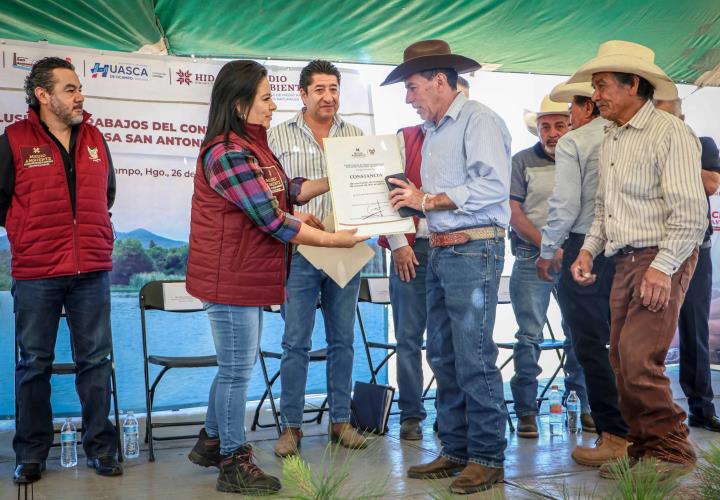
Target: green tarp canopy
point(539, 36)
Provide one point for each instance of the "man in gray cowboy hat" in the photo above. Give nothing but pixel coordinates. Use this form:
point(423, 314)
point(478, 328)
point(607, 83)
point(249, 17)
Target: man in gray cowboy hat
point(585, 310)
point(650, 214)
point(465, 179)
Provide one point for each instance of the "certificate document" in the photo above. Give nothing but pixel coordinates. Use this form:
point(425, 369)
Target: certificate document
point(356, 168)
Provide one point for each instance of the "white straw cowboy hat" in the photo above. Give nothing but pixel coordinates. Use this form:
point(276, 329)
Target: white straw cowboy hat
point(547, 107)
point(565, 92)
point(426, 55)
point(628, 57)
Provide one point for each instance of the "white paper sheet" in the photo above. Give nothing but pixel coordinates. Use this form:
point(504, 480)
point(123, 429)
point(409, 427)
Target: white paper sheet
point(176, 298)
point(356, 168)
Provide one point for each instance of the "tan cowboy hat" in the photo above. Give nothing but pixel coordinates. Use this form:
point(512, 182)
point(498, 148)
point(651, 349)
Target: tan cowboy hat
point(429, 54)
point(547, 107)
point(628, 57)
point(565, 92)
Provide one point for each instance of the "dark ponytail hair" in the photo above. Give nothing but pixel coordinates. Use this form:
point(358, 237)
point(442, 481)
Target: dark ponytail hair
point(236, 85)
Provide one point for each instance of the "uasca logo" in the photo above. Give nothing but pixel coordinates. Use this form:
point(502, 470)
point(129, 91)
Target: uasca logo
point(120, 71)
point(186, 77)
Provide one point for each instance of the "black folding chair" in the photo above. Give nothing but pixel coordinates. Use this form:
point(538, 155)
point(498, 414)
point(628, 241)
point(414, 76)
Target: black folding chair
point(264, 354)
point(548, 344)
point(390, 348)
point(70, 368)
point(152, 298)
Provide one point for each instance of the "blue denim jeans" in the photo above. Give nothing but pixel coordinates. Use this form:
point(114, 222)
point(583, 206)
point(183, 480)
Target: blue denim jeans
point(409, 317)
point(38, 304)
point(530, 298)
point(462, 285)
point(236, 333)
point(338, 309)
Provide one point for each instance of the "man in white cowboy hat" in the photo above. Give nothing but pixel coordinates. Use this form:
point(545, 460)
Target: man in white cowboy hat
point(465, 180)
point(533, 177)
point(585, 310)
point(693, 325)
point(651, 214)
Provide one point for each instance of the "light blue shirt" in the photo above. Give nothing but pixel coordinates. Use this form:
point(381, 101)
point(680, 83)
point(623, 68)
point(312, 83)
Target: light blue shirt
point(467, 157)
point(571, 208)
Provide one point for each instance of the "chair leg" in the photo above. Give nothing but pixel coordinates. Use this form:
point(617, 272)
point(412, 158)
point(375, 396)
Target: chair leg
point(268, 387)
point(256, 418)
point(549, 383)
point(118, 429)
point(148, 421)
point(373, 379)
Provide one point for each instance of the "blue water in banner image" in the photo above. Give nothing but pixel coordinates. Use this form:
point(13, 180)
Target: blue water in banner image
point(171, 334)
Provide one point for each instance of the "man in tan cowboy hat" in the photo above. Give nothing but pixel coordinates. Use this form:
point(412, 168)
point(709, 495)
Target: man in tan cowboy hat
point(585, 310)
point(465, 180)
point(533, 177)
point(650, 213)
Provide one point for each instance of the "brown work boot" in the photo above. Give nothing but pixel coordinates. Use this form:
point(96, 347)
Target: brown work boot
point(439, 468)
point(476, 477)
point(608, 447)
point(239, 474)
point(527, 426)
point(206, 451)
point(588, 424)
point(289, 442)
point(411, 429)
point(345, 434)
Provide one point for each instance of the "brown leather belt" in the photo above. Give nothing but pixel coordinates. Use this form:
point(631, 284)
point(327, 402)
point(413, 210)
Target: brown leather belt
point(462, 237)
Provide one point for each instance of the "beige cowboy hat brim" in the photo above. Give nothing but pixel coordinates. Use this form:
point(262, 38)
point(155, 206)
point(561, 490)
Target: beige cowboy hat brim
point(460, 64)
point(665, 88)
point(566, 92)
point(547, 107)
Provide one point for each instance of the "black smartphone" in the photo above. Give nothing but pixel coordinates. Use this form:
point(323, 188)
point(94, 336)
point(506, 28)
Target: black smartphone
point(403, 211)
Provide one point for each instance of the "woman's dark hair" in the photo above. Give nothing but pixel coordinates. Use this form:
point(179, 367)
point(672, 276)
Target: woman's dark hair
point(235, 86)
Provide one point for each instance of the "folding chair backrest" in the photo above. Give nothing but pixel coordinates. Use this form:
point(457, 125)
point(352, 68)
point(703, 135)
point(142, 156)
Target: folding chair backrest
point(168, 295)
point(504, 290)
point(374, 290)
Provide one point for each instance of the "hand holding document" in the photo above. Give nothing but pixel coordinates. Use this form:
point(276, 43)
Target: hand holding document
point(356, 168)
point(340, 264)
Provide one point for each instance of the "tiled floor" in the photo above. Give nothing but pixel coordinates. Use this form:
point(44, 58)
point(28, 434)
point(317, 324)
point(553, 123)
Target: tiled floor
point(534, 469)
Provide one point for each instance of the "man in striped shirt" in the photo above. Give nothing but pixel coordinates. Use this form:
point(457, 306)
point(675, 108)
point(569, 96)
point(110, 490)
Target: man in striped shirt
point(298, 145)
point(650, 213)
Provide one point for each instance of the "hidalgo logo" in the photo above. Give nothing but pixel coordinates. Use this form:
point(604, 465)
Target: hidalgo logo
point(93, 154)
point(120, 71)
point(184, 77)
point(189, 78)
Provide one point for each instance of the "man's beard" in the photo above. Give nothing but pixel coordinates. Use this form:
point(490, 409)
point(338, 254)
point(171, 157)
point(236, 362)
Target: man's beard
point(549, 150)
point(66, 115)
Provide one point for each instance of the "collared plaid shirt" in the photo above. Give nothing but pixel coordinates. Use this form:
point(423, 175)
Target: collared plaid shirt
point(236, 176)
point(299, 153)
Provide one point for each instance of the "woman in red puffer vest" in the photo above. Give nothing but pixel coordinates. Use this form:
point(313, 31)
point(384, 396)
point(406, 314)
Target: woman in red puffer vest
point(240, 233)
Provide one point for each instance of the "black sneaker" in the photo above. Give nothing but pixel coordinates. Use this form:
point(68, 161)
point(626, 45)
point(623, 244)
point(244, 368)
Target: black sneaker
point(206, 451)
point(239, 474)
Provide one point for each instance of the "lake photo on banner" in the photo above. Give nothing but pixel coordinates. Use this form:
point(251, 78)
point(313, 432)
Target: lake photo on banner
point(170, 334)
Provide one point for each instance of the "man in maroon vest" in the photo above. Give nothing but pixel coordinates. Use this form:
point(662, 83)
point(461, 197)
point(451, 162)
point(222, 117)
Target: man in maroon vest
point(56, 187)
point(407, 295)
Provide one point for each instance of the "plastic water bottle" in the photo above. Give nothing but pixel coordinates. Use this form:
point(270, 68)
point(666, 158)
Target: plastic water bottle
point(131, 448)
point(68, 444)
point(573, 412)
point(556, 412)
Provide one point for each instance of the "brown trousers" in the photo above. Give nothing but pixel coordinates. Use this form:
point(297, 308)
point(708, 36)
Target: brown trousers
point(639, 342)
